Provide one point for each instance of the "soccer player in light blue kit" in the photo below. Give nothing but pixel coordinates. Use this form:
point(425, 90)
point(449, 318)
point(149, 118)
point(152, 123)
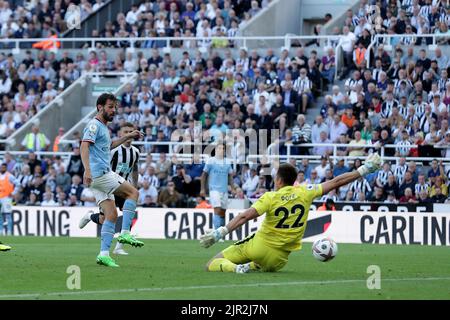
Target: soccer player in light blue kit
point(95, 155)
point(218, 169)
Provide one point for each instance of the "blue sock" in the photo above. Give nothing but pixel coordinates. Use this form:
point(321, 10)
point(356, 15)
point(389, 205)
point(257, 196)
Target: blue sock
point(9, 221)
point(107, 234)
point(222, 221)
point(129, 207)
point(1, 224)
point(217, 221)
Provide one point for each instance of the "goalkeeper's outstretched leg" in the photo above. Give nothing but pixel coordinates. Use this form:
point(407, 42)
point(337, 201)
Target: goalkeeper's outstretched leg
point(221, 264)
point(4, 247)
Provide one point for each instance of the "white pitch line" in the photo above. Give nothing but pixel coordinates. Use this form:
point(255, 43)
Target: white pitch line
point(263, 284)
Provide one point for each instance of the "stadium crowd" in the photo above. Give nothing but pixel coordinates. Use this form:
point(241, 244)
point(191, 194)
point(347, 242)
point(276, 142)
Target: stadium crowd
point(180, 19)
point(401, 100)
point(162, 18)
point(40, 18)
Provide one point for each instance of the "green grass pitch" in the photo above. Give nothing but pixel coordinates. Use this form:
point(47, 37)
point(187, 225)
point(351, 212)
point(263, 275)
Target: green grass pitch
point(36, 268)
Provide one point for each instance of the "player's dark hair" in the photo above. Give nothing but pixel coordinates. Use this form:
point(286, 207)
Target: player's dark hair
point(127, 125)
point(287, 173)
point(104, 97)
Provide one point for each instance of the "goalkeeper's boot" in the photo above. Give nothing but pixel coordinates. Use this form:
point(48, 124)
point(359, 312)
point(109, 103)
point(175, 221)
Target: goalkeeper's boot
point(127, 238)
point(4, 247)
point(106, 261)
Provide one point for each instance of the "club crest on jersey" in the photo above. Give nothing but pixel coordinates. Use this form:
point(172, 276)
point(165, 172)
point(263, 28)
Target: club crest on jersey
point(311, 187)
point(92, 128)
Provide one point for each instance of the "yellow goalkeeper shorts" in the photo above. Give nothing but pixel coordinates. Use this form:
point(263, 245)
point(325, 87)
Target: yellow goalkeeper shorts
point(254, 249)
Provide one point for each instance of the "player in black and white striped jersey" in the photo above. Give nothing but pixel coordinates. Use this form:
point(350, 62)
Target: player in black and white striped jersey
point(124, 161)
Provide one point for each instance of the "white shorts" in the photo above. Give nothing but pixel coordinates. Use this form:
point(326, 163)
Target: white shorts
point(218, 199)
point(103, 187)
point(6, 204)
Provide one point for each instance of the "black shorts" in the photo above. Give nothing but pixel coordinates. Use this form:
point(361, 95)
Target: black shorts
point(119, 203)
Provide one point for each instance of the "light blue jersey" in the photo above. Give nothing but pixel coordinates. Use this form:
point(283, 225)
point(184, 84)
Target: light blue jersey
point(97, 134)
point(218, 171)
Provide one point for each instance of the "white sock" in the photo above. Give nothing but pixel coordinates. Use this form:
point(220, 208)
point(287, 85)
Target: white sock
point(124, 231)
point(104, 253)
point(118, 246)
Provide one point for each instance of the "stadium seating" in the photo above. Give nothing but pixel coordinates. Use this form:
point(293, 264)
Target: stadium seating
point(391, 101)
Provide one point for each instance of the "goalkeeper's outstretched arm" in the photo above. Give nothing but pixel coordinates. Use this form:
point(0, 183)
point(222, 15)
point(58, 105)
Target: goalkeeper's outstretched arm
point(340, 181)
point(242, 218)
point(372, 164)
point(213, 236)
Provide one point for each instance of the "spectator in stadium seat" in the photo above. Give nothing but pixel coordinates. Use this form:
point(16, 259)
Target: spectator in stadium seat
point(48, 200)
point(434, 171)
point(74, 163)
point(32, 200)
point(35, 140)
point(63, 179)
point(317, 128)
point(314, 178)
point(340, 167)
point(147, 190)
point(328, 66)
point(251, 183)
point(88, 198)
point(424, 198)
point(415, 171)
point(442, 60)
point(323, 150)
point(378, 195)
point(439, 184)
point(322, 168)
point(181, 180)
point(73, 201)
point(408, 197)
point(408, 182)
point(169, 197)
point(355, 150)
point(76, 188)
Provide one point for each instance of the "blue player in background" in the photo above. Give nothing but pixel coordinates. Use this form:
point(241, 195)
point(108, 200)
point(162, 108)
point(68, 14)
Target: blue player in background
point(105, 184)
point(219, 171)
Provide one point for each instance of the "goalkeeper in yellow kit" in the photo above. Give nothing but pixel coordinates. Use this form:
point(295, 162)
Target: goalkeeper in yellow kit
point(283, 227)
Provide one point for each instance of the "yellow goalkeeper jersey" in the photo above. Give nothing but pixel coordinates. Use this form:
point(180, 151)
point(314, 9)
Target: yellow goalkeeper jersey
point(286, 215)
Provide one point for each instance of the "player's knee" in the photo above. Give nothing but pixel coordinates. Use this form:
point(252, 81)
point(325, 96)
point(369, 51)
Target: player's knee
point(133, 194)
point(208, 264)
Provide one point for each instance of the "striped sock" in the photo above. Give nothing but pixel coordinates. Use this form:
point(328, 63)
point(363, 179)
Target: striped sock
point(107, 235)
point(129, 207)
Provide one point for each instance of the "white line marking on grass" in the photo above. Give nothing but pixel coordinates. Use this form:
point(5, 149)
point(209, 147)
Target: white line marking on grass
point(226, 286)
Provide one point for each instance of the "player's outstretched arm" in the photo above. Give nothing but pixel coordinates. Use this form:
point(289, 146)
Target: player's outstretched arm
point(211, 237)
point(372, 164)
point(136, 134)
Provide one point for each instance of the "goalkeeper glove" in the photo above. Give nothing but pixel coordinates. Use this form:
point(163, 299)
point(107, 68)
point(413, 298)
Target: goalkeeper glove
point(372, 164)
point(212, 236)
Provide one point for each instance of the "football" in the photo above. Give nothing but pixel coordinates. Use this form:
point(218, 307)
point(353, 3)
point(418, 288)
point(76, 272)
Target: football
point(324, 249)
